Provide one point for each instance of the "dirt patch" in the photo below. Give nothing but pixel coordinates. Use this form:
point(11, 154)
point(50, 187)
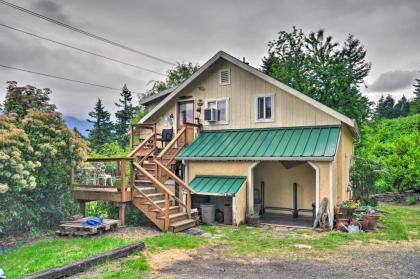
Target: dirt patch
point(167, 258)
point(136, 232)
point(374, 260)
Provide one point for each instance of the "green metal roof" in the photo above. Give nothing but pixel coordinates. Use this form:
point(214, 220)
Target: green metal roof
point(223, 185)
point(286, 142)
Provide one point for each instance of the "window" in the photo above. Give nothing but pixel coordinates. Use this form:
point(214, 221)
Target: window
point(221, 105)
point(224, 77)
point(265, 108)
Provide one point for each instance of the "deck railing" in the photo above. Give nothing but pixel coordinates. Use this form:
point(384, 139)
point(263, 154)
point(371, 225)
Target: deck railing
point(104, 175)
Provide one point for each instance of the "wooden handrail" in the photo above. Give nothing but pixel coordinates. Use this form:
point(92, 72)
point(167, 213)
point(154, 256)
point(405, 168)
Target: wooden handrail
point(149, 200)
point(174, 177)
point(140, 146)
point(105, 159)
point(171, 143)
point(153, 179)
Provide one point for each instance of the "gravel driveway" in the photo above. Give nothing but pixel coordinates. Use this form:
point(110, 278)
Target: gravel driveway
point(379, 261)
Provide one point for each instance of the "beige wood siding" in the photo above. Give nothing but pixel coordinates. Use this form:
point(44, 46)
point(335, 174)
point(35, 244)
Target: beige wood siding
point(218, 168)
point(242, 92)
point(279, 181)
point(240, 206)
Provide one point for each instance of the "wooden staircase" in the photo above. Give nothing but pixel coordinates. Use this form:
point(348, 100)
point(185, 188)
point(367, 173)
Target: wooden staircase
point(150, 194)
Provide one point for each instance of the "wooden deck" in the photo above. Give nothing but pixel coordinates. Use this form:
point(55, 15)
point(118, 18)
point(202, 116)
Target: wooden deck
point(101, 194)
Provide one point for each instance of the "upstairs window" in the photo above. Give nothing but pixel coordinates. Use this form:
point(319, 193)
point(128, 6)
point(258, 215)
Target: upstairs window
point(224, 77)
point(222, 107)
point(265, 108)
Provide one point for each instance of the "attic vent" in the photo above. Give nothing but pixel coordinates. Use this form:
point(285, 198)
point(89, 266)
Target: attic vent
point(224, 77)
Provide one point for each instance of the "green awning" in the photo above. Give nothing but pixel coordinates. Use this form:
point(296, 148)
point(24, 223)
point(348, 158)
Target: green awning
point(308, 142)
point(221, 185)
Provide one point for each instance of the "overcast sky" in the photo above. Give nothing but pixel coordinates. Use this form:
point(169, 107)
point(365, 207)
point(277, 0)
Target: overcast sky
point(194, 31)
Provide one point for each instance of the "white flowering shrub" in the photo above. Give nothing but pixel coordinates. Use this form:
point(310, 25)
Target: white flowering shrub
point(36, 155)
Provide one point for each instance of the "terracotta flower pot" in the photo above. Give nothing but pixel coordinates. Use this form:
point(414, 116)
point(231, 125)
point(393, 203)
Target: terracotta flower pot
point(372, 219)
point(347, 211)
point(364, 223)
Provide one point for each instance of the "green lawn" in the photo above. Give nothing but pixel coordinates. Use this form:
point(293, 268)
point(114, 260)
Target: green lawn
point(400, 223)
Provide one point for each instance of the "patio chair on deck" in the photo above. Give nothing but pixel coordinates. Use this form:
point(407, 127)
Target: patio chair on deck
point(165, 137)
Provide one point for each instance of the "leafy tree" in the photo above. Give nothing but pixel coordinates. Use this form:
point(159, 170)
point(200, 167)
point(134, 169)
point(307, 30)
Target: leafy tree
point(394, 143)
point(316, 65)
point(124, 115)
point(363, 175)
point(20, 99)
point(175, 76)
point(102, 130)
point(36, 155)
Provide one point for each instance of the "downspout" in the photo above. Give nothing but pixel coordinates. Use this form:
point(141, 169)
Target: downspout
point(251, 187)
point(316, 168)
point(330, 169)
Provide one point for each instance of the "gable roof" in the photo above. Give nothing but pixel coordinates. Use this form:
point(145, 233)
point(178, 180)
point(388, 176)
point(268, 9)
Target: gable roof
point(156, 97)
point(221, 54)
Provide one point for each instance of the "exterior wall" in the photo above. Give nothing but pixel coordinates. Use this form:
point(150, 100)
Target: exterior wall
point(242, 92)
point(217, 168)
point(240, 206)
point(279, 180)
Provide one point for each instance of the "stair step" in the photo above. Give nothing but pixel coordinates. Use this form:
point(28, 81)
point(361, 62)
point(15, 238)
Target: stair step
point(143, 181)
point(155, 195)
point(178, 216)
point(164, 209)
point(149, 203)
point(182, 225)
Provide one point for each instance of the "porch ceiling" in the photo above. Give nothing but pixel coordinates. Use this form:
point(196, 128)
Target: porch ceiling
point(220, 185)
point(291, 143)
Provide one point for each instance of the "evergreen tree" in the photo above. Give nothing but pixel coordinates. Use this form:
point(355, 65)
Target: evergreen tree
point(389, 103)
point(402, 107)
point(316, 65)
point(380, 107)
point(102, 130)
point(124, 116)
point(416, 101)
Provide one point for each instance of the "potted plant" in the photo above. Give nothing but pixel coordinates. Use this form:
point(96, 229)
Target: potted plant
point(253, 219)
point(347, 207)
point(372, 216)
point(359, 219)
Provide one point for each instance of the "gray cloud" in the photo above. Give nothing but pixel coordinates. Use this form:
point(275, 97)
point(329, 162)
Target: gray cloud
point(393, 81)
point(190, 30)
point(51, 9)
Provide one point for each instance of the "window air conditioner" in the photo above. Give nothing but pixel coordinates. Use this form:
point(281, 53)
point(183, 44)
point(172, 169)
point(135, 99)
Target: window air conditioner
point(210, 114)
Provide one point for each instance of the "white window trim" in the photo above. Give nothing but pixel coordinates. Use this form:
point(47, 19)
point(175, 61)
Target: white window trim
point(220, 76)
point(206, 102)
point(273, 107)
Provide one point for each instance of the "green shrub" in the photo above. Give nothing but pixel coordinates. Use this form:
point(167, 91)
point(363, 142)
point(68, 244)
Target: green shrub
point(394, 143)
point(411, 200)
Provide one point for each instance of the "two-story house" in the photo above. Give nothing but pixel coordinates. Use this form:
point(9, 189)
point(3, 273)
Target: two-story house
point(262, 145)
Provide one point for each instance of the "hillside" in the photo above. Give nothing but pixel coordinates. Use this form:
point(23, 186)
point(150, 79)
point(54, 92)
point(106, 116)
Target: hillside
point(80, 124)
point(395, 144)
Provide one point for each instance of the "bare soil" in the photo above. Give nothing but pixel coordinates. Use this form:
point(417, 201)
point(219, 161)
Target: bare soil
point(376, 260)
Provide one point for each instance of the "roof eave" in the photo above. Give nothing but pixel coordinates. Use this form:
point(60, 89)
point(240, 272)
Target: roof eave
point(325, 158)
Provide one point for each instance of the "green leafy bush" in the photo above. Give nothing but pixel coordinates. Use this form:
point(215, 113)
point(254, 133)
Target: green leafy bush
point(395, 144)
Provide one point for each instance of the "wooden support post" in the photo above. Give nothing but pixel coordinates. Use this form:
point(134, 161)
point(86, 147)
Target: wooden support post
point(121, 213)
point(189, 204)
point(166, 212)
point(122, 169)
point(82, 208)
